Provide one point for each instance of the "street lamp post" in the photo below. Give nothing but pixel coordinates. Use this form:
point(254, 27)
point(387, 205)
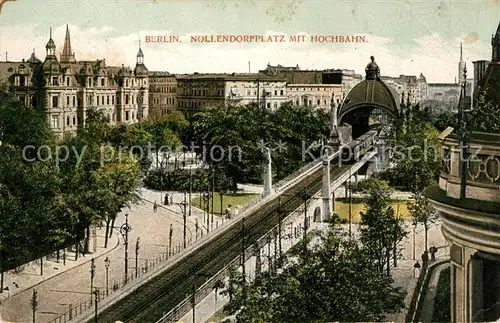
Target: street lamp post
point(305, 224)
point(279, 227)
point(184, 209)
point(107, 262)
point(96, 295)
point(124, 230)
point(193, 294)
point(170, 233)
point(190, 187)
point(197, 227)
point(414, 246)
point(243, 260)
point(34, 303)
point(92, 274)
point(350, 202)
point(212, 195)
point(137, 247)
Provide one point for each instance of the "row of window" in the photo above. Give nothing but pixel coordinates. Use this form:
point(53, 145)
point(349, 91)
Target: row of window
point(309, 89)
point(72, 121)
point(156, 80)
point(100, 100)
point(268, 93)
point(166, 89)
point(202, 92)
point(170, 101)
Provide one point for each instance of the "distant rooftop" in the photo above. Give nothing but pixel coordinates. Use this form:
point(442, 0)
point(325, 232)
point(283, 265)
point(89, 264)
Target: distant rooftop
point(232, 76)
point(159, 73)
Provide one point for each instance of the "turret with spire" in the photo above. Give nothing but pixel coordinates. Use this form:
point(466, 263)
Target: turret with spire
point(67, 56)
point(140, 69)
point(461, 65)
point(140, 55)
point(51, 46)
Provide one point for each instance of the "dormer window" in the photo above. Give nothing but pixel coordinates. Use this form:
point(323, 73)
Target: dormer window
point(89, 82)
point(55, 80)
point(126, 83)
point(67, 80)
point(102, 81)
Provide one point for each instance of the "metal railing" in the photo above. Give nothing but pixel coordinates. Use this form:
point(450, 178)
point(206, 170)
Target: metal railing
point(148, 265)
point(204, 290)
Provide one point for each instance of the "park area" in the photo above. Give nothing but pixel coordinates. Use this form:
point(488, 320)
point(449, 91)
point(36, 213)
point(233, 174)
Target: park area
point(358, 205)
point(236, 201)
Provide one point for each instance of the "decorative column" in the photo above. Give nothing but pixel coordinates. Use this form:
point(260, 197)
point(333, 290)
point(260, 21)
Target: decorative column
point(325, 190)
point(258, 261)
point(267, 173)
point(333, 202)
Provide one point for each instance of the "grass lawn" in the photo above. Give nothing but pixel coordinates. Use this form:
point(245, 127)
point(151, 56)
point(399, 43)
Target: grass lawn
point(235, 200)
point(342, 209)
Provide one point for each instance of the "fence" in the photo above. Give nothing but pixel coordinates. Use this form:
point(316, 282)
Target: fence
point(419, 291)
point(204, 290)
point(148, 265)
point(303, 170)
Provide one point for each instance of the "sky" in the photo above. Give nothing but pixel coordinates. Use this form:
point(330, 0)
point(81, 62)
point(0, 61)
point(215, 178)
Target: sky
point(406, 37)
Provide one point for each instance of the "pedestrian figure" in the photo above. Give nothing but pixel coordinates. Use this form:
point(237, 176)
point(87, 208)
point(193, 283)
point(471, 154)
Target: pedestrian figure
point(425, 258)
point(167, 199)
point(172, 199)
point(155, 207)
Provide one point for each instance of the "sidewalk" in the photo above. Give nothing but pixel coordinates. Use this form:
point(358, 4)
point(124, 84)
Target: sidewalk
point(429, 297)
point(28, 275)
point(403, 275)
point(67, 286)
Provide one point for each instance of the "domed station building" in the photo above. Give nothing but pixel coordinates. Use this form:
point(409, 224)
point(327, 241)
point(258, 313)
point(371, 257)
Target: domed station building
point(468, 197)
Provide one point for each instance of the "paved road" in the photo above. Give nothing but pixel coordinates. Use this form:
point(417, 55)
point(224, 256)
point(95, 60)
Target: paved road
point(73, 286)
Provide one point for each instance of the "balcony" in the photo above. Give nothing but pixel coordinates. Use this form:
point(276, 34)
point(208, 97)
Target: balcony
point(482, 160)
point(472, 221)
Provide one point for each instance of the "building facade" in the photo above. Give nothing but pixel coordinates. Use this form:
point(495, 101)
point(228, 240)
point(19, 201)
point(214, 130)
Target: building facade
point(162, 93)
point(411, 87)
point(198, 91)
point(314, 95)
point(65, 88)
point(349, 80)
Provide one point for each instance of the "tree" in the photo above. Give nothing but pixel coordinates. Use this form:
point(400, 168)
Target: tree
point(114, 185)
point(485, 116)
point(336, 283)
point(371, 184)
point(28, 181)
point(416, 152)
point(133, 138)
point(422, 212)
point(243, 132)
point(381, 230)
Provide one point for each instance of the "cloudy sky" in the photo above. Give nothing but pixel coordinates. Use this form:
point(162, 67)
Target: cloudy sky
point(406, 37)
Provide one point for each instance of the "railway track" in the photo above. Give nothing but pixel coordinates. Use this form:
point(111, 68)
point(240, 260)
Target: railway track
point(152, 300)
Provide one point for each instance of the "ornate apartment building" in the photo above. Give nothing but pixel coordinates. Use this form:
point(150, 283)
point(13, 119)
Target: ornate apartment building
point(65, 88)
point(310, 87)
point(197, 91)
point(162, 93)
point(314, 95)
